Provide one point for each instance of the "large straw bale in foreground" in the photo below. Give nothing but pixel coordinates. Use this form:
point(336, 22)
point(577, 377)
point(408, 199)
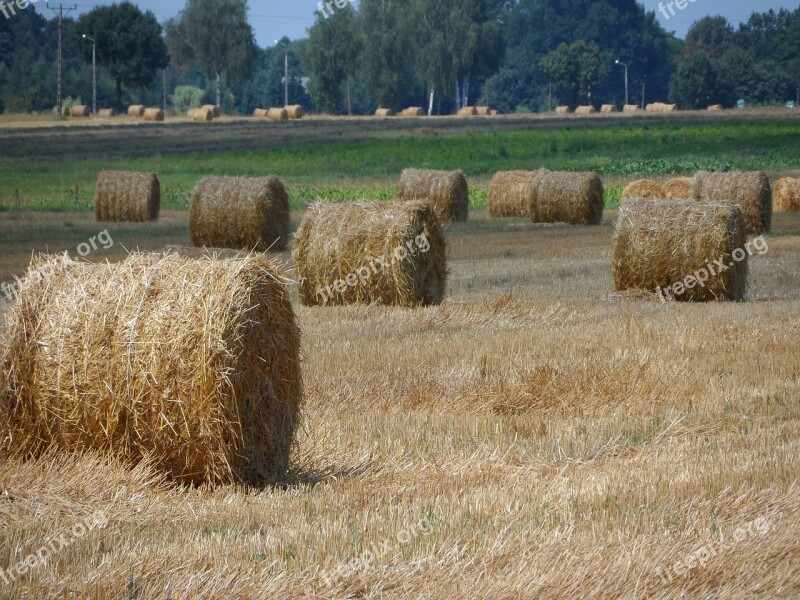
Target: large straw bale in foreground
point(190, 364)
point(241, 213)
point(512, 193)
point(787, 194)
point(446, 190)
point(643, 188)
point(679, 188)
point(127, 196)
point(750, 189)
point(659, 244)
point(373, 252)
point(566, 197)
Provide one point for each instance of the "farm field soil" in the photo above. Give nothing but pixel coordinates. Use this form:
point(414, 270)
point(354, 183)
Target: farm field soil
point(536, 436)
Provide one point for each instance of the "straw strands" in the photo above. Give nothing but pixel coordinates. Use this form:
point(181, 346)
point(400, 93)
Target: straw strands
point(446, 190)
point(567, 197)
point(787, 194)
point(751, 190)
point(512, 193)
point(127, 196)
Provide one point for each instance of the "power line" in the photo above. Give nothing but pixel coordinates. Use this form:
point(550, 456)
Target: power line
point(60, 13)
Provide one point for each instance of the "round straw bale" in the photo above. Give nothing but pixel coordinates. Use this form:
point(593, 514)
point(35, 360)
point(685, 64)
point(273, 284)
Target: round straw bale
point(127, 196)
point(412, 111)
point(566, 197)
point(495, 112)
point(483, 111)
point(106, 113)
point(371, 252)
point(295, 111)
point(467, 111)
point(79, 110)
point(512, 193)
point(446, 190)
point(608, 108)
point(751, 190)
point(630, 108)
point(787, 195)
point(190, 364)
point(679, 188)
point(277, 114)
point(659, 244)
point(585, 110)
point(716, 107)
point(384, 112)
point(153, 114)
point(260, 113)
point(136, 110)
point(216, 113)
point(201, 115)
point(241, 213)
point(643, 188)
point(562, 110)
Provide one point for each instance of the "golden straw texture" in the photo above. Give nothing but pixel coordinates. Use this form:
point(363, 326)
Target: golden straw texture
point(127, 196)
point(512, 193)
point(787, 194)
point(750, 189)
point(567, 197)
point(643, 188)
point(447, 190)
point(680, 188)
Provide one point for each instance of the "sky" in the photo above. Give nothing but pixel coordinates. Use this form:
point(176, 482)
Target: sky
point(272, 19)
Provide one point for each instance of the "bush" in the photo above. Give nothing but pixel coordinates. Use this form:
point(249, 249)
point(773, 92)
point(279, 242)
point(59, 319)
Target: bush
point(186, 97)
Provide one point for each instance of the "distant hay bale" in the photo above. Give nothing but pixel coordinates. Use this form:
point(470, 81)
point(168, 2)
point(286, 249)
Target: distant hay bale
point(483, 111)
point(716, 107)
point(630, 108)
point(659, 245)
point(127, 196)
point(136, 110)
point(446, 190)
point(79, 110)
point(608, 108)
point(468, 111)
point(412, 111)
point(643, 188)
point(373, 252)
point(495, 112)
point(216, 113)
point(567, 197)
point(679, 188)
point(241, 213)
point(512, 193)
point(278, 114)
point(562, 110)
point(787, 195)
point(585, 110)
point(260, 113)
point(384, 112)
point(153, 114)
point(295, 111)
point(190, 364)
point(106, 113)
point(201, 115)
point(751, 190)
point(660, 107)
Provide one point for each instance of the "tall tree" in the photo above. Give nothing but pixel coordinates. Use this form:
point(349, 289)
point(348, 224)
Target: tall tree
point(217, 35)
point(712, 34)
point(575, 70)
point(698, 83)
point(129, 44)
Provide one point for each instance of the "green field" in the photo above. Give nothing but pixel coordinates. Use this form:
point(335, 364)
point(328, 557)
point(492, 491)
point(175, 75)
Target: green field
point(368, 169)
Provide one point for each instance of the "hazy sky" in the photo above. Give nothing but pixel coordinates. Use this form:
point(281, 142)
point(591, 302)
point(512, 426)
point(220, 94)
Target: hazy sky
point(273, 19)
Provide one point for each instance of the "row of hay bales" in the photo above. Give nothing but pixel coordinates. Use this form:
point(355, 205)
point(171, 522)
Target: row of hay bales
point(548, 196)
point(152, 114)
point(205, 113)
point(750, 190)
point(590, 110)
point(81, 111)
point(477, 111)
point(292, 111)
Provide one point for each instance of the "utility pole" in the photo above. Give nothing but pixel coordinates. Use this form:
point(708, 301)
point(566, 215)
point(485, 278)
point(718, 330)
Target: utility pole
point(60, 12)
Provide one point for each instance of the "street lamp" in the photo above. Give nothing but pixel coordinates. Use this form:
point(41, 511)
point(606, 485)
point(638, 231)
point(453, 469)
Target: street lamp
point(285, 72)
point(622, 64)
point(94, 72)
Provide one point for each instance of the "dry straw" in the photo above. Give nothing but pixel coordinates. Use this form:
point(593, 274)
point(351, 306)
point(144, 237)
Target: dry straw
point(384, 112)
point(562, 110)
point(512, 193)
point(446, 190)
point(79, 110)
point(643, 188)
point(608, 108)
point(215, 110)
point(295, 111)
point(260, 113)
point(483, 111)
point(201, 115)
point(343, 242)
point(153, 114)
point(240, 213)
point(660, 243)
point(191, 365)
point(751, 190)
point(566, 197)
point(495, 112)
point(585, 110)
point(716, 107)
point(136, 110)
point(660, 107)
point(106, 113)
point(787, 195)
point(412, 111)
point(680, 188)
point(127, 196)
point(630, 108)
point(277, 114)
point(468, 111)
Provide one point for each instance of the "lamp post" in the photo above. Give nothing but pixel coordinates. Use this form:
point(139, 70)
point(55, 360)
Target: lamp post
point(94, 72)
point(622, 64)
point(285, 72)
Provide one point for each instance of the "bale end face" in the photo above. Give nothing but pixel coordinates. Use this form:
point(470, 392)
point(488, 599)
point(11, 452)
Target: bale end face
point(680, 188)
point(787, 195)
point(448, 191)
point(670, 247)
point(127, 196)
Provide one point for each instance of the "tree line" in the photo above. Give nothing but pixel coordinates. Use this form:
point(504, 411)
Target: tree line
point(516, 55)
